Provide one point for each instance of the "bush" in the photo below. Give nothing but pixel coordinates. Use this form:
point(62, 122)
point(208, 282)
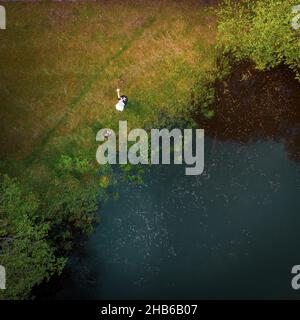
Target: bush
point(24, 250)
point(36, 233)
point(260, 31)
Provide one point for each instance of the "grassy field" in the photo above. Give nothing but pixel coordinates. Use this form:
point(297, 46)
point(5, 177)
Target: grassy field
point(62, 62)
point(60, 66)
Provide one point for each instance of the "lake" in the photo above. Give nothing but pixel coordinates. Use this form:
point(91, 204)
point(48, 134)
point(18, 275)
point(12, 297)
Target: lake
point(232, 232)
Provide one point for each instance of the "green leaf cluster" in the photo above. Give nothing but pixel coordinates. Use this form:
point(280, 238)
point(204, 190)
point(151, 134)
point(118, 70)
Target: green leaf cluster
point(260, 31)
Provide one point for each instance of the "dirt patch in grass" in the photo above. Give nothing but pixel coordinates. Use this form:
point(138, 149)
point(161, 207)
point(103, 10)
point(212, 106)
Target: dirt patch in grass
point(252, 105)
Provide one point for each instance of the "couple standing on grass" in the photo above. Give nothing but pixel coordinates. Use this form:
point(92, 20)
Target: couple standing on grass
point(122, 101)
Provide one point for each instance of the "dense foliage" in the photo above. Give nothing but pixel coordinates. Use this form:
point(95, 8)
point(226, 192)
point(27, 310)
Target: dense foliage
point(38, 229)
point(25, 252)
point(260, 31)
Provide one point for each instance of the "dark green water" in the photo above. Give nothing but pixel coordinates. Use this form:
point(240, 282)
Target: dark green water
point(233, 232)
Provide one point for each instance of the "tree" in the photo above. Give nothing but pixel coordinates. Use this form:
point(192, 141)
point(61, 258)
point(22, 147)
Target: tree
point(24, 250)
point(260, 31)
